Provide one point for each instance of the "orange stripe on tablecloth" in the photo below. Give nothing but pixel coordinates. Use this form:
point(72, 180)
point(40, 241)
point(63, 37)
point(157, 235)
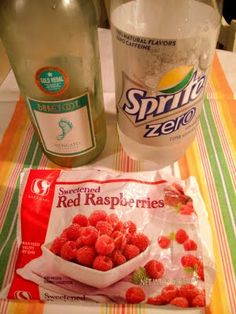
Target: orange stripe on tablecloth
point(13, 138)
point(17, 307)
point(226, 105)
point(218, 75)
point(13, 147)
point(188, 162)
point(9, 182)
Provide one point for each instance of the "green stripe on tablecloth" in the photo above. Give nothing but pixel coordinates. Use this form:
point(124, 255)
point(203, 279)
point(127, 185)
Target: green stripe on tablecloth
point(11, 214)
point(223, 164)
point(38, 156)
point(222, 178)
point(225, 169)
point(4, 259)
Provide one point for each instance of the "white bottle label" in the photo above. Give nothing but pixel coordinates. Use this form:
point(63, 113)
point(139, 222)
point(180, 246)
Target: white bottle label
point(65, 127)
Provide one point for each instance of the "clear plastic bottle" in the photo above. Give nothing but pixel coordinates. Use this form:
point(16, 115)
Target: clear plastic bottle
point(162, 50)
point(53, 49)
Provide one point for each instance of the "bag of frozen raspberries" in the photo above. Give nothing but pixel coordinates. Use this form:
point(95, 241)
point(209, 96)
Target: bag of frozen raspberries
point(98, 236)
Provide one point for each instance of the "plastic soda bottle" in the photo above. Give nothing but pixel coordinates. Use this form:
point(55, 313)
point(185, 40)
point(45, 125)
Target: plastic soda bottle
point(162, 51)
point(53, 49)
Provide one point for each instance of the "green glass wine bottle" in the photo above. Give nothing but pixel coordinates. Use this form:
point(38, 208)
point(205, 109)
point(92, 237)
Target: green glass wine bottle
point(53, 49)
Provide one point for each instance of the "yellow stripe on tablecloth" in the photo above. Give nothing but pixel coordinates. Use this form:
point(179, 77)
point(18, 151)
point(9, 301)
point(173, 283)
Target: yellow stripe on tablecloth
point(17, 307)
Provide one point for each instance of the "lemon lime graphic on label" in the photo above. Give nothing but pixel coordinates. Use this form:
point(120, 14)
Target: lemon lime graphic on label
point(176, 79)
point(65, 126)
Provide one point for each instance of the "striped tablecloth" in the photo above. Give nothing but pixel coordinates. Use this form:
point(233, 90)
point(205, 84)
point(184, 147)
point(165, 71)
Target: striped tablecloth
point(211, 159)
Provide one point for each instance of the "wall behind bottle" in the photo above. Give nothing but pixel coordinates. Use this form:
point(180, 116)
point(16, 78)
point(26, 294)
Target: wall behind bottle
point(104, 13)
point(4, 63)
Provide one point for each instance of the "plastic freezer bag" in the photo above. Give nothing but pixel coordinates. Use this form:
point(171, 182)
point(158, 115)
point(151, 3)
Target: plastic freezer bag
point(98, 236)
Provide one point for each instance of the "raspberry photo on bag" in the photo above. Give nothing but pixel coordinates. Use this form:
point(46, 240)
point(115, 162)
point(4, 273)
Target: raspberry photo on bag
point(92, 235)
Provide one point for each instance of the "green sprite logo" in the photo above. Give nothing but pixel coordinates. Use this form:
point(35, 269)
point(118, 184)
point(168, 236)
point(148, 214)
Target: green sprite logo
point(176, 79)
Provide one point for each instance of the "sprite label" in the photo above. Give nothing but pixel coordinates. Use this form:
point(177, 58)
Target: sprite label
point(160, 87)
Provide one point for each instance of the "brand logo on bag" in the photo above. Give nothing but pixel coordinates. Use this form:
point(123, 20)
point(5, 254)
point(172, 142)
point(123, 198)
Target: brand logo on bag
point(22, 295)
point(40, 187)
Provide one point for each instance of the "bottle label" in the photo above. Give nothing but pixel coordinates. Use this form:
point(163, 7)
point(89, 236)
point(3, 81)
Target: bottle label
point(65, 127)
point(52, 80)
point(160, 86)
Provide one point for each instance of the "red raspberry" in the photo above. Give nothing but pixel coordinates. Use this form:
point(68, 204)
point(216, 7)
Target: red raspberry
point(164, 242)
point(178, 188)
point(130, 251)
point(64, 234)
point(104, 245)
point(171, 198)
point(104, 227)
point(128, 236)
point(119, 239)
point(154, 269)
point(169, 292)
point(199, 300)
point(81, 220)
point(68, 251)
point(200, 269)
point(86, 255)
point(179, 301)
point(89, 235)
point(96, 216)
point(102, 263)
point(79, 243)
point(188, 291)
point(189, 260)
point(112, 219)
point(135, 295)
point(130, 226)
point(119, 227)
point(118, 258)
point(186, 209)
point(181, 236)
point(195, 263)
point(57, 245)
point(140, 240)
point(190, 245)
point(157, 300)
point(185, 199)
point(73, 232)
